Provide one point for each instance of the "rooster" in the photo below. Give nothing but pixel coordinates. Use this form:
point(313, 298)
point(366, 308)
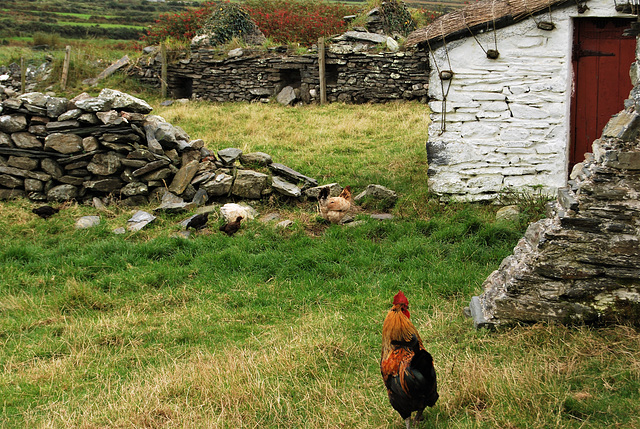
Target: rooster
point(406, 367)
point(335, 209)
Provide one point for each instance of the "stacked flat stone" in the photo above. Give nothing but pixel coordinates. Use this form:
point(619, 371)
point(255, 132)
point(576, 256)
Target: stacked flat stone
point(355, 73)
point(54, 149)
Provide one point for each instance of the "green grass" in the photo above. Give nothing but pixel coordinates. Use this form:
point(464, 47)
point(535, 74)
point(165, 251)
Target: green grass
point(350, 144)
point(85, 16)
point(281, 328)
point(93, 24)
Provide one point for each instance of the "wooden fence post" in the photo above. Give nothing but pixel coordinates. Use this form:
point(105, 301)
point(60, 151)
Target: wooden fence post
point(65, 67)
point(163, 70)
point(322, 67)
point(23, 76)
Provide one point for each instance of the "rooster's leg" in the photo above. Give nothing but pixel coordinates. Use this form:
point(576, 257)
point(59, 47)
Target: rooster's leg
point(418, 417)
point(407, 422)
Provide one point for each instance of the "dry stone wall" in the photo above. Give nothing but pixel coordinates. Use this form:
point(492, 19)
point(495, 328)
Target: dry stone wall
point(55, 149)
point(353, 75)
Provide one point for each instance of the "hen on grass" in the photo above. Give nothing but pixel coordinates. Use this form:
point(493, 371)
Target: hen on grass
point(45, 212)
point(335, 209)
point(231, 227)
point(198, 222)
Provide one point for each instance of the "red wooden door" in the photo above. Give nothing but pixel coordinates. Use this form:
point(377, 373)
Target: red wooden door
point(602, 57)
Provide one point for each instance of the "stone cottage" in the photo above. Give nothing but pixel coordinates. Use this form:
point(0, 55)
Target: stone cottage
point(520, 89)
point(359, 69)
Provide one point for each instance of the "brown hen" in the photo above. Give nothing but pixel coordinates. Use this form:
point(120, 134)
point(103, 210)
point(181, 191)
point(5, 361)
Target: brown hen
point(231, 227)
point(336, 209)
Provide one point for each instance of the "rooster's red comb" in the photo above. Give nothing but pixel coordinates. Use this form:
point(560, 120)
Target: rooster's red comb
point(400, 299)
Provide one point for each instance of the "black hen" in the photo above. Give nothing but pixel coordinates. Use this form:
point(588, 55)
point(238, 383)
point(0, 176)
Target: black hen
point(231, 227)
point(199, 221)
point(45, 211)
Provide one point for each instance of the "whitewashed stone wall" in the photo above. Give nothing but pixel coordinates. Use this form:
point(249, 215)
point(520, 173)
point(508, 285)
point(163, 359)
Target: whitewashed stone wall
point(506, 121)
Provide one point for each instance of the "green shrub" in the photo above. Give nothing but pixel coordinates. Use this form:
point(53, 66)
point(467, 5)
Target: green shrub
point(396, 17)
point(228, 20)
point(51, 40)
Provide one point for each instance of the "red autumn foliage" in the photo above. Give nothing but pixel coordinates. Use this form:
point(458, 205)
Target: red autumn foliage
point(182, 26)
point(284, 21)
point(298, 21)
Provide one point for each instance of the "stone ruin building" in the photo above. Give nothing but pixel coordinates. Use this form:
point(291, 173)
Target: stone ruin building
point(582, 263)
point(353, 75)
point(363, 65)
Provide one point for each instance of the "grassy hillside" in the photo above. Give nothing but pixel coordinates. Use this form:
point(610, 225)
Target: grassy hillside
point(120, 20)
point(82, 19)
point(281, 327)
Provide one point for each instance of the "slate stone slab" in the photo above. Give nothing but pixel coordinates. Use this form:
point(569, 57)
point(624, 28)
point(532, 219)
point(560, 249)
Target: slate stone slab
point(139, 220)
point(285, 188)
point(291, 174)
point(152, 166)
point(104, 164)
point(107, 185)
point(218, 186)
point(63, 143)
point(249, 184)
point(255, 158)
point(378, 192)
point(13, 123)
point(87, 222)
point(23, 162)
point(229, 156)
point(231, 211)
point(62, 193)
point(183, 177)
point(122, 101)
point(287, 96)
point(25, 140)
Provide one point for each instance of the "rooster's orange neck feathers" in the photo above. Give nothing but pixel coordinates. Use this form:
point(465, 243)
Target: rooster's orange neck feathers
point(397, 327)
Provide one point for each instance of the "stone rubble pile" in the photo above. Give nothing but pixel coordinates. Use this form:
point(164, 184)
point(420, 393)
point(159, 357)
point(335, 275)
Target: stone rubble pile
point(11, 77)
point(88, 148)
point(55, 149)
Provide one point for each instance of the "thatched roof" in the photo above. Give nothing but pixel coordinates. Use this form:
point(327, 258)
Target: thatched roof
point(482, 15)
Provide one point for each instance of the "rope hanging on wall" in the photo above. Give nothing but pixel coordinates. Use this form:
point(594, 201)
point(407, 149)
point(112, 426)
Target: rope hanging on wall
point(493, 53)
point(445, 76)
point(490, 53)
point(542, 25)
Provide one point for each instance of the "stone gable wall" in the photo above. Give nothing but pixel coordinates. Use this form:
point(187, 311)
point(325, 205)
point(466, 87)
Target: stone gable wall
point(582, 264)
point(354, 77)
